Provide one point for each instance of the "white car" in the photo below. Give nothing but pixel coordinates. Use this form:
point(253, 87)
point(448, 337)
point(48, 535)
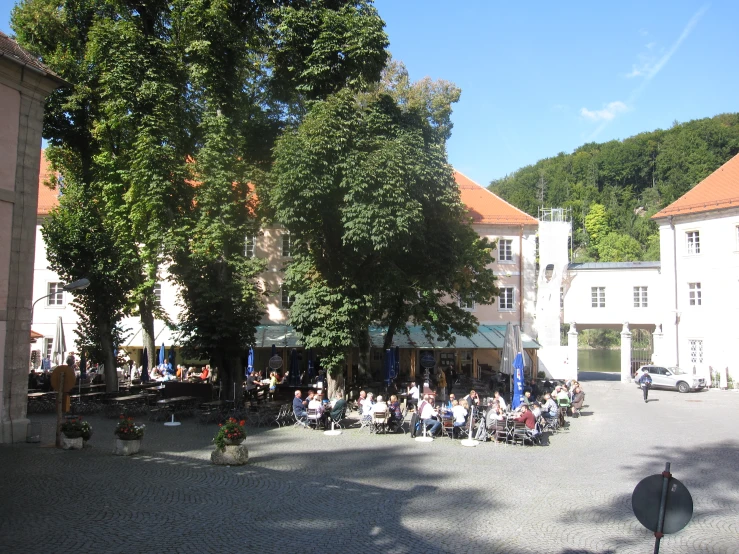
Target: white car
point(671, 378)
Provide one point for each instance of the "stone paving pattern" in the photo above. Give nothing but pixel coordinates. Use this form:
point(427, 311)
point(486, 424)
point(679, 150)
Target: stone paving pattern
point(306, 492)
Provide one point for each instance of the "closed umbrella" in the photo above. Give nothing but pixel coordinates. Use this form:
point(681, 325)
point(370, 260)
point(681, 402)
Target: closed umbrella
point(517, 399)
point(311, 366)
point(397, 362)
point(83, 366)
point(161, 355)
point(389, 365)
point(250, 362)
point(294, 368)
point(59, 345)
point(145, 367)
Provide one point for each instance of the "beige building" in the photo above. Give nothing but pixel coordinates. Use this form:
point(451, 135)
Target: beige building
point(513, 231)
point(24, 86)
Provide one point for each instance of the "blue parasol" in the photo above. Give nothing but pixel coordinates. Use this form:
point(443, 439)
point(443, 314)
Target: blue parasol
point(145, 367)
point(250, 362)
point(389, 365)
point(517, 399)
point(397, 362)
point(161, 355)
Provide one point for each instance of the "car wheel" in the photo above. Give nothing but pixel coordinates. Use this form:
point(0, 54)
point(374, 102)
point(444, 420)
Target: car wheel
point(683, 387)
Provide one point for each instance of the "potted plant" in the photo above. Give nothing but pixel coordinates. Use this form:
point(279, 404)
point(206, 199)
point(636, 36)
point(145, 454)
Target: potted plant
point(128, 437)
point(231, 432)
point(86, 430)
point(73, 433)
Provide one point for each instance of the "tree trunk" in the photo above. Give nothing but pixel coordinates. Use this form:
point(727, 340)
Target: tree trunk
point(363, 364)
point(336, 385)
point(111, 374)
point(147, 332)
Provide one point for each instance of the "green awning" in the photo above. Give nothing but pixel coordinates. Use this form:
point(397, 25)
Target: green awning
point(487, 336)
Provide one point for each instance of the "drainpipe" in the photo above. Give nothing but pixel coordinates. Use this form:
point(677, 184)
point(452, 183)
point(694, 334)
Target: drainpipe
point(520, 278)
point(674, 272)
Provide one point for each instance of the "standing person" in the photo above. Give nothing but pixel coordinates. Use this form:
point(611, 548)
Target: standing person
point(413, 394)
point(441, 386)
point(71, 360)
point(645, 380)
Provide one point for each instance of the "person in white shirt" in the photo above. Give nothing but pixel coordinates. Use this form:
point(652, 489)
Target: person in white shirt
point(499, 399)
point(380, 405)
point(428, 415)
point(413, 394)
point(459, 412)
point(368, 404)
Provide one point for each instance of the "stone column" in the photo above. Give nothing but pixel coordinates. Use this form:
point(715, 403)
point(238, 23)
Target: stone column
point(626, 354)
point(571, 372)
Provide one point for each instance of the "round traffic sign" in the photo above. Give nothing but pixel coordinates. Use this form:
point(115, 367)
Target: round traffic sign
point(646, 499)
point(428, 361)
point(275, 362)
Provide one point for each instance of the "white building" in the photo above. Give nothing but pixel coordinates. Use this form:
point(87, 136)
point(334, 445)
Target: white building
point(699, 245)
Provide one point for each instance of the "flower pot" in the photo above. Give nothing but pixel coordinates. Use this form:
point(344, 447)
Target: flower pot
point(233, 442)
point(126, 448)
point(231, 455)
point(71, 444)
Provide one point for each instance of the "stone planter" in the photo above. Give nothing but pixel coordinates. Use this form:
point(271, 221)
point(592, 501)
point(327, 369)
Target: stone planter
point(72, 444)
point(126, 448)
point(234, 442)
point(231, 455)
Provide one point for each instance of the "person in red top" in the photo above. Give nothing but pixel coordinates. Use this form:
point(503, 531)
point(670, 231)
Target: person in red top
point(205, 373)
point(527, 417)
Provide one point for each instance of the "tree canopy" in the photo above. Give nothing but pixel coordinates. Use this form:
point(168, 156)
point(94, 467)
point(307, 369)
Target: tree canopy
point(380, 234)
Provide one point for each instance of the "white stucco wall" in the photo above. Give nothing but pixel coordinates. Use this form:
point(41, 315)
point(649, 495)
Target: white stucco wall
point(716, 268)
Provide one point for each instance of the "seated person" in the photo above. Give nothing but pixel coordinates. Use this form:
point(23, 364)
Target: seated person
point(298, 406)
point(501, 402)
point(577, 400)
point(472, 400)
point(428, 416)
point(316, 403)
point(360, 400)
point(563, 395)
point(550, 409)
point(273, 382)
point(459, 412)
point(527, 418)
point(450, 404)
point(396, 413)
point(494, 415)
point(527, 398)
point(337, 407)
point(205, 373)
point(367, 404)
point(380, 406)
point(308, 399)
point(251, 385)
point(536, 410)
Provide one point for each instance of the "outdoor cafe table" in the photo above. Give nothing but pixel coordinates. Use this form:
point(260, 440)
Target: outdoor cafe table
point(39, 394)
point(173, 403)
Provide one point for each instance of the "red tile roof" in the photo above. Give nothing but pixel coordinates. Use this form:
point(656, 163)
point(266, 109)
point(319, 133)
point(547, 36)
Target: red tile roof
point(717, 191)
point(47, 198)
point(11, 50)
point(486, 207)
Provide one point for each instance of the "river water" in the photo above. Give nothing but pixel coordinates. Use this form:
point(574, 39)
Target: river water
point(599, 360)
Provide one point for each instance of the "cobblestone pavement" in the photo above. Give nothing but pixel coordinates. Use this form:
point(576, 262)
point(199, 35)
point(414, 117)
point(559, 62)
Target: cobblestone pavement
point(306, 492)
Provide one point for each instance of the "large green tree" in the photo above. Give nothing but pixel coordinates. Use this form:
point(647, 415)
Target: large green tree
point(157, 87)
point(380, 232)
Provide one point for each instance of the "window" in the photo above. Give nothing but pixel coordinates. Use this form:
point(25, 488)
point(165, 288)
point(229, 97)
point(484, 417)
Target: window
point(466, 305)
point(505, 253)
point(506, 299)
point(696, 351)
point(158, 294)
point(287, 299)
point(693, 242)
point(56, 291)
point(598, 297)
point(286, 244)
point(694, 294)
point(249, 246)
point(640, 297)
point(48, 345)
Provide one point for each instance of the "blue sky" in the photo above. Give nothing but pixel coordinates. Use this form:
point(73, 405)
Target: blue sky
point(539, 78)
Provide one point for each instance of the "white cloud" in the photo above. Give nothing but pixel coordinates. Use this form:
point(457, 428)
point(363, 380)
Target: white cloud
point(610, 111)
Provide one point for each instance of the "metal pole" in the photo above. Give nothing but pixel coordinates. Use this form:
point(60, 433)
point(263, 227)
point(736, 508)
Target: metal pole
point(658, 534)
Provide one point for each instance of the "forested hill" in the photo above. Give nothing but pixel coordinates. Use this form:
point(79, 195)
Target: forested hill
point(613, 188)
